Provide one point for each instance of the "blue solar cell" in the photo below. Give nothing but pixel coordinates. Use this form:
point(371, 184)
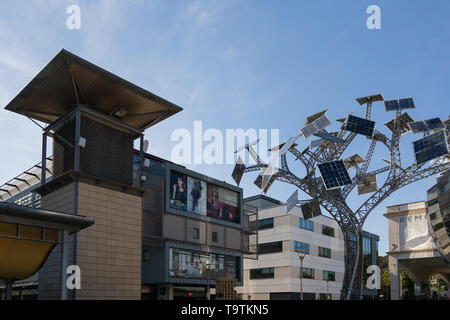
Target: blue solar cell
point(434, 123)
point(407, 103)
point(334, 174)
point(391, 105)
point(430, 147)
point(360, 125)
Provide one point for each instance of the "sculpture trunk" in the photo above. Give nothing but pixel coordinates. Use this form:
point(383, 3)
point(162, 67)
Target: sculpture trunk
point(353, 274)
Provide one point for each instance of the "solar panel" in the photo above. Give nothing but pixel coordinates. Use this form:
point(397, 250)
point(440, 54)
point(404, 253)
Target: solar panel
point(434, 124)
point(316, 143)
point(400, 104)
point(310, 209)
point(430, 147)
point(353, 161)
point(315, 116)
point(238, 171)
point(247, 146)
point(315, 126)
point(374, 98)
point(329, 137)
point(286, 146)
point(334, 174)
point(418, 126)
point(292, 201)
point(407, 103)
point(401, 123)
point(367, 184)
point(360, 125)
point(258, 183)
point(391, 105)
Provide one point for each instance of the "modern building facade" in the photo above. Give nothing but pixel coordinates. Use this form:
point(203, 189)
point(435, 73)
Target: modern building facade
point(161, 231)
point(412, 245)
point(276, 272)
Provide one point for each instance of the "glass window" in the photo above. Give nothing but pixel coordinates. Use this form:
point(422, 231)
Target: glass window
point(270, 247)
point(329, 275)
point(305, 224)
point(214, 237)
point(51, 235)
point(301, 247)
point(146, 255)
point(196, 234)
point(438, 226)
point(432, 202)
point(324, 296)
point(8, 229)
point(307, 273)
point(328, 231)
point(432, 216)
point(324, 252)
point(367, 245)
point(263, 273)
point(265, 224)
point(30, 232)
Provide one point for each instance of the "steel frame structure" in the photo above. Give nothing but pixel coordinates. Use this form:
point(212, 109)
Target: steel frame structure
point(334, 201)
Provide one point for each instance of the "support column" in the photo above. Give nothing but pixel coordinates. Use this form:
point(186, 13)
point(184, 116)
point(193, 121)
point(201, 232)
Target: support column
point(394, 274)
point(64, 264)
point(9, 287)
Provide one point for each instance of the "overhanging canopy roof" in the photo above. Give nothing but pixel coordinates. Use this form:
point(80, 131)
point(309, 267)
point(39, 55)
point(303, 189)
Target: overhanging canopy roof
point(51, 94)
point(27, 236)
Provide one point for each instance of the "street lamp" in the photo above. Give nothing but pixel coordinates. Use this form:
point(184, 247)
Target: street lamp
point(301, 255)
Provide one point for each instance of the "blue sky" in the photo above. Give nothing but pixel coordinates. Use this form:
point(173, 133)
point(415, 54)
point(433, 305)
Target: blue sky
point(238, 64)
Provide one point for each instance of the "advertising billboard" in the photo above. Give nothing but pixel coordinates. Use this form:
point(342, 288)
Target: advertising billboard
point(201, 265)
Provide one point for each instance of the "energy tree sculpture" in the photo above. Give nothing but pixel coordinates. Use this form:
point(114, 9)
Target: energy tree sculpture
point(328, 183)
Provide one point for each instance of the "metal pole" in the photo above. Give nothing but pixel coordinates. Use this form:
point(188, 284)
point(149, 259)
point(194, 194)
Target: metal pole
point(76, 165)
point(301, 277)
point(44, 158)
point(64, 264)
point(9, 284)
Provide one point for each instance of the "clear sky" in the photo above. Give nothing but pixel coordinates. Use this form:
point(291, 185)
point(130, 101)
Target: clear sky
point(239, 64)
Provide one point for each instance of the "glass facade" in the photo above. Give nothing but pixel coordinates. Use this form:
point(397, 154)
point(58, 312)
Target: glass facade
point(324, 252)
point(305, 224)
point(307, 273)
point(270, 247)
point(328, 231)
point(263, 273)
point(329, 275)
point(301, 247)
point(265, 224)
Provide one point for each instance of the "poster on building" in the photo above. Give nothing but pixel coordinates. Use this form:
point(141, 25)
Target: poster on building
point(222, 203)
point(229, 203)
point(178, 193)
point(202, 265)
point(414, 233)
point(196, 196)
point(213, 207)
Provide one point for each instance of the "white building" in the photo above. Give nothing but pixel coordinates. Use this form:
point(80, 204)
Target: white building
point(276, 272)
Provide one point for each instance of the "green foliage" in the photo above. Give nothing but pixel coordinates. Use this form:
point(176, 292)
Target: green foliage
point(441, 285)
point(386, 278)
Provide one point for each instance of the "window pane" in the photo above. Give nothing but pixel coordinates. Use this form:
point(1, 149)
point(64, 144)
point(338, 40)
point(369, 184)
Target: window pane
point(265, 224)
point(306, 224)
point(51, 235)
point(29, 232)
point(270, 247)
point(8, 229)
point(264, 273)
point(301, 247)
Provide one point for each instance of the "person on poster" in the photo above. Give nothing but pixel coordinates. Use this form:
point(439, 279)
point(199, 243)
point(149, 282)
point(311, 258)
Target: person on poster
point(178, 199)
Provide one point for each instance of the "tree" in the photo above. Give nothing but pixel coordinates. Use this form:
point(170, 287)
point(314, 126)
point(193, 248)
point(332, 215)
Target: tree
point(334, 200)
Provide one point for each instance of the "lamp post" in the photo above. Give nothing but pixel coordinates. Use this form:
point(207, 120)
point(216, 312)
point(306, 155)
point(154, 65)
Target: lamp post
point(301, 255)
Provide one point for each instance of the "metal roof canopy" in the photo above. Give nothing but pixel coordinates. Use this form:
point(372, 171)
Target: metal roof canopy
point(68, 80)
